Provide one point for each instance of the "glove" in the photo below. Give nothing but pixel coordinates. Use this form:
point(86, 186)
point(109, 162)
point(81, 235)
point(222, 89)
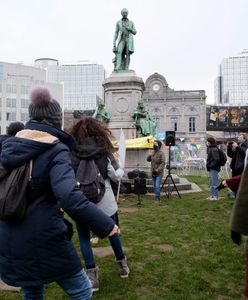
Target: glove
point(220, 187)
point(236, 237)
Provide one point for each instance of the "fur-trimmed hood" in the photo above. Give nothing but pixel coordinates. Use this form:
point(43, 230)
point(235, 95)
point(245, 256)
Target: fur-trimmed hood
point(38, 136)
point(31, 142)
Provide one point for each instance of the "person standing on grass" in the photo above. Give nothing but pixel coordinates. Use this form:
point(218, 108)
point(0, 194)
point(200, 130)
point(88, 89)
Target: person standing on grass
point(38, 250)
point(237, 152)
point(213, 167)
point(239, 219)
point(93, 141)
point(157, 159)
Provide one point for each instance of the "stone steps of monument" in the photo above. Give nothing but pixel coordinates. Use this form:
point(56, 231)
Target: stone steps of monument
point(182, 184)
point(179, 186)
point(175, 179)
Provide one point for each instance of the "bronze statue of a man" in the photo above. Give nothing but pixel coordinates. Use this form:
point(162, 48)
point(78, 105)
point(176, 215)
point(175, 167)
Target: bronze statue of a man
point(123, 42)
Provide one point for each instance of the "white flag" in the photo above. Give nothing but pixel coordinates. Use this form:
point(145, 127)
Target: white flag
point(122, 150)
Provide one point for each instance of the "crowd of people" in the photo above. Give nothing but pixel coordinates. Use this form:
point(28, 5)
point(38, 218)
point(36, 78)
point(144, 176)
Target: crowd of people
point(39, 249)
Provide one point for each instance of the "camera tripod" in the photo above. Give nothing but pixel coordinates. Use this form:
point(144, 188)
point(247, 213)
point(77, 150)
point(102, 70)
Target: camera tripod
point(169, 179)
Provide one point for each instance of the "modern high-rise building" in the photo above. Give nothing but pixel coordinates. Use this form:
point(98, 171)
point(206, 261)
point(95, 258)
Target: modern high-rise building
point(82, 82)
point(16, 81)
point(231, 86)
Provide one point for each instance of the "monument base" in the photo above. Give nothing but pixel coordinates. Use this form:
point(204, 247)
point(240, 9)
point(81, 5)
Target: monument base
point(136, 159)
point(122, 92)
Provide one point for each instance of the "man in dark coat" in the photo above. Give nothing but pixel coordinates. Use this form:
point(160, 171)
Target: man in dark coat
point(237, 152)
point(37, 251)
point(213, 167)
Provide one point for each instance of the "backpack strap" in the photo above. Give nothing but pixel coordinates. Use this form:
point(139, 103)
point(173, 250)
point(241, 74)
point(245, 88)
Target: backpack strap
point(40, 198)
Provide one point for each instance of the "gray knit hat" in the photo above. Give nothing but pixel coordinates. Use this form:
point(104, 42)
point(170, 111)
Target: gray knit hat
point(44, 107)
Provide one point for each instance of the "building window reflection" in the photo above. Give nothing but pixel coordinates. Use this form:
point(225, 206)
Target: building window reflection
point(191, 124)
point(174, 124)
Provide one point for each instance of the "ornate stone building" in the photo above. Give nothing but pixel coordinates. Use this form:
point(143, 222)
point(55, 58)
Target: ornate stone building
point(181, 111)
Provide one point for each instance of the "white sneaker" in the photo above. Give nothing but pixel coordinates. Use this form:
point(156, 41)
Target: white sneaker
point(94, 240)
point(212, 198)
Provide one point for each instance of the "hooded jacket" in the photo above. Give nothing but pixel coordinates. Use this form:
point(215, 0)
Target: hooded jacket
point(36, 250)
point(107, 166)
point(238, 157)
point(213, 158)
point(3, 138)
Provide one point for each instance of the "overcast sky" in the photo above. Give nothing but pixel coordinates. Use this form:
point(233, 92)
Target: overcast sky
point(184, 40)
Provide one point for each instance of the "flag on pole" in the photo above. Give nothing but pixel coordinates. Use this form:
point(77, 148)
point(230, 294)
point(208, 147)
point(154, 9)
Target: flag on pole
point(122, 150)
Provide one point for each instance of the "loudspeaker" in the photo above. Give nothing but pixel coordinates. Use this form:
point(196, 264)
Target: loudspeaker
point(139, 186)
point(170, 138)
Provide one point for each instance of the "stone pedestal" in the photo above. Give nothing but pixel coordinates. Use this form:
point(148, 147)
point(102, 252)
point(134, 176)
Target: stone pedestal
point(122, 91)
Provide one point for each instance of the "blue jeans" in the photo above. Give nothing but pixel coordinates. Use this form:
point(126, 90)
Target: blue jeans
point(156, 182)
point(214, 182)
point(78, 287)
point(85, 246)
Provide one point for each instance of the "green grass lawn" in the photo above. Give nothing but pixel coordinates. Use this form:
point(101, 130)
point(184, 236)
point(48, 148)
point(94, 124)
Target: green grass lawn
point(179, 249)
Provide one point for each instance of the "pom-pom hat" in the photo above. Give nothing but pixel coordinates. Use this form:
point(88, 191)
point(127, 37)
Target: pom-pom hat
point(44, 107)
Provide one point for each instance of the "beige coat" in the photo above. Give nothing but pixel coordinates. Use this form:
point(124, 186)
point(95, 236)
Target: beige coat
point(157, 160)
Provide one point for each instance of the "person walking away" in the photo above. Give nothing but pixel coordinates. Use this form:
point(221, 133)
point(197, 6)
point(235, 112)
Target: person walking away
point(157, 159)
point(37, 250)
point(213, 167)
point(93, 143)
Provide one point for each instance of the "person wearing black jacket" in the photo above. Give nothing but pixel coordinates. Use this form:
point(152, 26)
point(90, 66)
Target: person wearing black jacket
point(237, 152)
point(213, 167)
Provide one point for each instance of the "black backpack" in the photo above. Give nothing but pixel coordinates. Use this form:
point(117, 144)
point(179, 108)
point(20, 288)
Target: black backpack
point(223, 157)
point(13, 192)
point(90, 180)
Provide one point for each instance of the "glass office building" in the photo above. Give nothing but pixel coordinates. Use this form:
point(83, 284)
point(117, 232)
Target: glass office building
point(16, 81)
point(82, 82)
point(231, 86)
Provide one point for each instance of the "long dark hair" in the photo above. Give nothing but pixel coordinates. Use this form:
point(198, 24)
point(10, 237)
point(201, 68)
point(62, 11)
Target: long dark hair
point(88, 127)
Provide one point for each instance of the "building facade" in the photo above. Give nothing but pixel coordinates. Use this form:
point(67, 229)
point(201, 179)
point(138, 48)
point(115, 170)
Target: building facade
point(16, 81)
point(82, 82)
point(181, 111)
point(231, 85)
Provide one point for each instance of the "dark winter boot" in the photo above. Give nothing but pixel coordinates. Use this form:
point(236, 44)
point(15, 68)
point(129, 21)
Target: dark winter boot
point(123, 268)
point(93, 277)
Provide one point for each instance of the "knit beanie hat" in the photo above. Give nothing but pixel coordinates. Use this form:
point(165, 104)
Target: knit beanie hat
point(44, 107)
